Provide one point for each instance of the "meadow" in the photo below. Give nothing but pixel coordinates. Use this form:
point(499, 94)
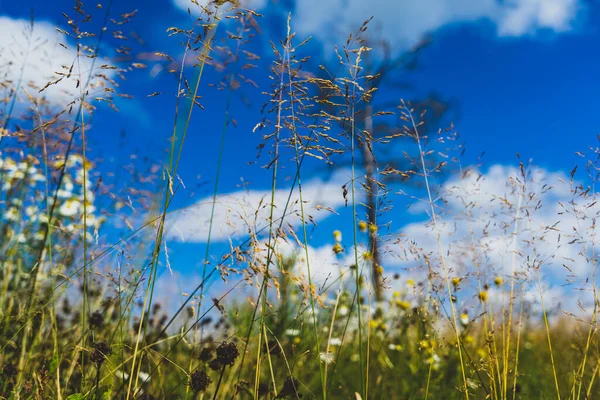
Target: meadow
point(484, 298)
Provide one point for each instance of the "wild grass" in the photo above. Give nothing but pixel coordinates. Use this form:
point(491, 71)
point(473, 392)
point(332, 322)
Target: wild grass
point(466, 309)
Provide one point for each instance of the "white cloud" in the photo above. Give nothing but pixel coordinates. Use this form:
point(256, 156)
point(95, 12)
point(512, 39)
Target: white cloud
point(545, 229)
point(236, 213)
point(404, 23)
point(37, 55)
point(196, 9)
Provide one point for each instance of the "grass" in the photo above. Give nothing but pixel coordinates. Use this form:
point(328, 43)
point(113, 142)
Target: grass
point(81, 315)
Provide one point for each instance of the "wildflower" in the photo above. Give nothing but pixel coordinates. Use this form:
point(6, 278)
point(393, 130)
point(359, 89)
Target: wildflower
point(483, 295)
point(215, 364)
point(403, 304)
point(199, 381)
point(367, 255)
point(379, 269)
point(372, 228)
point(297, 340)
point(326, 358)
point(227, 352)
point(455, 282)
point(292, 332)
point(337, 236)
point(205, 354)
point(434, 360)
point(12, 214)
point(101, 350)
point(122, 375)
point(498, 281)
point(395, 347)
point(335, 342)
point(396, 293)
point(343, 311)
point(464, 319)
point(410, 282)
point(362, 226)
point(337, 248)
point(144, 376)
point(69, 208)
point(469, 339)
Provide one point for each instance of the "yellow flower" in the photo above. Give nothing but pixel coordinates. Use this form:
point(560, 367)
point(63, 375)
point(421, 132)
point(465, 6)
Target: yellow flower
point(483, 296)
point(297, 340)
point(396, 293)
point(337, 236)
point(379, 269)
point(374, 324)
point(464, 319)
point(362, 226)
point(410, 282)
point(498, 281)
point(455, 282)
point(481, 353)
point(337, 248)
point(469, 339)
point(367, 255)
point(372, 228)
point(404, 305)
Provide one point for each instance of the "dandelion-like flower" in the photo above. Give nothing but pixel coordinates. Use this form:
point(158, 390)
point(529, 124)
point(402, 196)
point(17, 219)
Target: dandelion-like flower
point(403, 304)
point(362, 226)
point(483, 296)
point(498, 281)
point(337, 236)
point(337, 248)
point(464, 319)
point(70, 208)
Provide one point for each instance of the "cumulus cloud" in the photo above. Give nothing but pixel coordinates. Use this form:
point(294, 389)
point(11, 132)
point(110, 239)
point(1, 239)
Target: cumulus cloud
point(500, 222)
point(237, 213)
point(33, 56)
point(196, 6)
point(403, 24)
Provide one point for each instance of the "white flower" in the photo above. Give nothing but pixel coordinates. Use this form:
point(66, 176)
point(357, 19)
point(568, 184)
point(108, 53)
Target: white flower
point(144, 377)
point(292, 332)
point(327, 358)
point(38, 177)
point(464, 319)
point(12, 214)
point(122, 375)
point(335, 342)
point(21, 238)
point(343, 311)
point(31, 211)
point(70, 208)
point(64, 194)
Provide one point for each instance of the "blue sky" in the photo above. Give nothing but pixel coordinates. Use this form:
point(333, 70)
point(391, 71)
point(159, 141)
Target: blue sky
point(521, 75)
